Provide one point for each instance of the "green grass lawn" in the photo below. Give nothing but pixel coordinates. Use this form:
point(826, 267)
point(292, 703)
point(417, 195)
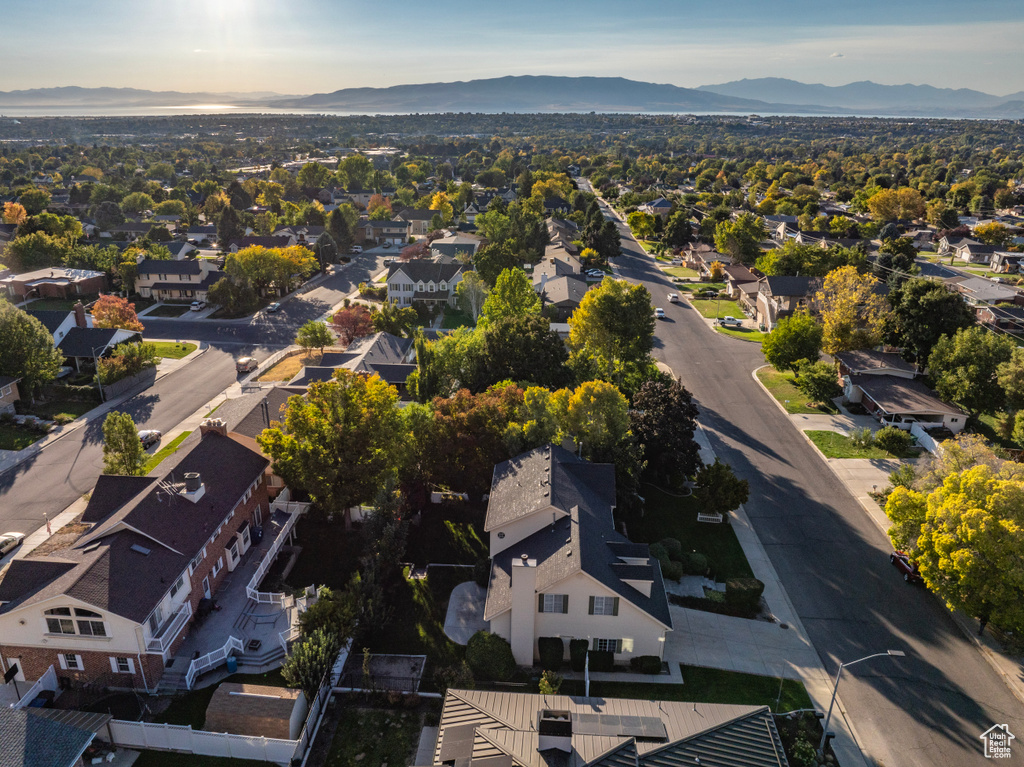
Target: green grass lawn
point(683, 273)
point(69, 408)
point(12, 438)
point(168, 310)
point(666, 516)
point(190, 708)
point(447, 537)
point(368, 737)
point(724, 308)
point(744, 334)
point(456, 318)
point(165, 452)
point(707, 685)
point(699, 287)
point(988, 427)
point(58, 304)
point(835, 445)
point(782, 387)
point(172, 350)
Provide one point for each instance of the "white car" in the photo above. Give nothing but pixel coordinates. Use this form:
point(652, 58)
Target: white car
point(659, 314)
point(731, 322)
point(10, 541)
point(595, 273)
point(673, 298)
point(198, 306)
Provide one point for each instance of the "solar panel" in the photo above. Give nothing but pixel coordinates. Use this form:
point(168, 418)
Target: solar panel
point(140, 549)
point(614, 725)
point(457, 742)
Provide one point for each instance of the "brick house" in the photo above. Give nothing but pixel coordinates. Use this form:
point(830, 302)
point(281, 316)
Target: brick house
point(9, 393)
point(116, 604)
point(54, 282)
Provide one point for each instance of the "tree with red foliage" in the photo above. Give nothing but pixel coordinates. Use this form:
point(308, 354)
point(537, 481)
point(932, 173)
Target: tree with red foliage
point(419, 250)
point(352, 322)
point(115, 312)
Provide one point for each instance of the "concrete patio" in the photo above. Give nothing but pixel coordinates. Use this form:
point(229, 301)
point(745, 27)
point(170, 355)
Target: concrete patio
point(465, 614)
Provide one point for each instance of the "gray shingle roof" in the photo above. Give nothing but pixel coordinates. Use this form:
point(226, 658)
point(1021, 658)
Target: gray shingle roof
point(426, 271)
point(867, 359)
point(30, 740)
point(156, 266)
point(788, 286)
point(82, 342)
point(902, 396)
point(51, 318)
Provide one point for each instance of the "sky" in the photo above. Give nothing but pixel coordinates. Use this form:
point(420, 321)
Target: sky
point(297, 47)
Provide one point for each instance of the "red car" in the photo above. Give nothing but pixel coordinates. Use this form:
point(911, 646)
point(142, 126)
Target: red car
point(902, 562)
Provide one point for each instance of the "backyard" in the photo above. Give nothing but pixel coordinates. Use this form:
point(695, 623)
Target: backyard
point(782, 386)
point(367, 737)
point(286, 369)
point(190, 708)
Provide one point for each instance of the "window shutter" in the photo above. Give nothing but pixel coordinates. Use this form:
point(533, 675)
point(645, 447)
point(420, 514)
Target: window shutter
point(618, 642)
point(113, 664)
point(565, 603)
point(63, 661)
point(591, 605)
point(78, 663)
point(615, 607)
point(131, 665)
point(540, 603)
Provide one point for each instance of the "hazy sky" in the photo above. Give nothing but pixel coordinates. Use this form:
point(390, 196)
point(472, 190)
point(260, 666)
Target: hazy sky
point(310, 46)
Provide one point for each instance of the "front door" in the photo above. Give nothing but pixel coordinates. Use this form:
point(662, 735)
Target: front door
point(257, 516)
point(206, 587)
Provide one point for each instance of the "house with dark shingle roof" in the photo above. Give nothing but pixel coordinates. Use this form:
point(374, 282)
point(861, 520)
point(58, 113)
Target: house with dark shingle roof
point(117, 603)
point(424, 281)
point(32, 738)
point(559, 567)
point(779, 297)
point(188, 279)
point(383, 354)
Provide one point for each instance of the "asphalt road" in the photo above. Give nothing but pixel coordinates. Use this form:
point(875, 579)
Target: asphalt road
point(63, 471)
point(926, 709)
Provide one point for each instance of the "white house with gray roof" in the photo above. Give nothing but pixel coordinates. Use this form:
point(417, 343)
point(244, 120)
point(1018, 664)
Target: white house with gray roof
point(424, 281)
point(558, 566)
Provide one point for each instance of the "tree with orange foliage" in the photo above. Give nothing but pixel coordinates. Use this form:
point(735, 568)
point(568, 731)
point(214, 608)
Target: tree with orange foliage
point(352, 322)
point(14, 213)
point(115, 312)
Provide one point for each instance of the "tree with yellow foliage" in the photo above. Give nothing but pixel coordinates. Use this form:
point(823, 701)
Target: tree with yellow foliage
point(443, 206)
point(14, 213)
point(851, 310)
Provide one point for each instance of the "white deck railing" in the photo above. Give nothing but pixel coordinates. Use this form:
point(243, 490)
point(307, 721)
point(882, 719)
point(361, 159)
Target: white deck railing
point(162, 642)
point(212, 659)
point(289, 635)
point(294, 509)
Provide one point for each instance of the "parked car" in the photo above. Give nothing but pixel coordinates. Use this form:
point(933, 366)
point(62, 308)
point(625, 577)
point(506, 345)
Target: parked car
point(659, 314)
point(10, 541)
point(731, 322)
point(386, 245)
point(902, 562)
point(595, 273)
point(673, 298)
point(388, 261)
point(149, 437)
point(274, 308)
point(677, 262)
point(246, 364)
point(356, 249)
point(198, 306)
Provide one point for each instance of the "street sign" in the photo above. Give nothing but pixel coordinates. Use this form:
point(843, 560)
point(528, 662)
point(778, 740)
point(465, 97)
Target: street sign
point(12, 672)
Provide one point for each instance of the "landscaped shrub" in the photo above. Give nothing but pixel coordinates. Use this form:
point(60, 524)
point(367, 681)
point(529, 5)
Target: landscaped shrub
point(672, 570)
point(659, 552)
point(75, 393)
point(551, 651)
point(893, 440)
point(490, 657)
point(550, 683)
point(602, 660)
point(862, 437)
point(578, 653)
point(482, 573)
point(743, 592)
point(645, 664)
point(459, 676)
point(694, 563)
point(673, 547)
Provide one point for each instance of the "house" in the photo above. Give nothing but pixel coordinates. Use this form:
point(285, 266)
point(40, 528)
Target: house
point(895, 400)
point(1002, 316)
point(114, 606)
point(978, 292)
point(562, 293)
point(9, 393)
point(779, 297)
point(424, 281)
point(268, 241)
point(419, 220)
point(180, 250)
point(129, 230)
point(563, 234)
point(1006, 263)
point(556, 205)
point(736, 276)
point(201, 235)
point(975, 253)
point(383, 354)
point(34, 737)
point(457, 245)
point(557, 262)
point(948, 246)
point(659, 207)
point(380, 232)
point(496, 729)
point(871, 362)
point(558, 566)
point(303, 234)
point(257, 710)
point(54, 282)
point(58, 323)
point(190, 279)
point(76, 338)
point(171, 221)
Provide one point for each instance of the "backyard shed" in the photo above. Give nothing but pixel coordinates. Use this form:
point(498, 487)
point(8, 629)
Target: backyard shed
point(250, 709)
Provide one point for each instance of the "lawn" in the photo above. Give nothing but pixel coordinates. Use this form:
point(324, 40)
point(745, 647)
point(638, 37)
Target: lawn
point(707, 685)
point(666, 516)
point(368, 737)
point(724, 308)
point(286, 369)
point(782, 387)
point(456, 318)
point(988, 427)
point(12, 438)
point(168, 310)
point(172, 350)
point(330, 553)
point(190, 708)
point(835, 445)
point(683, 273)
point(165, 452)
point(58, 304)
point(699, 287)
point(744, 334)
point(70, 409)
point(447, 536)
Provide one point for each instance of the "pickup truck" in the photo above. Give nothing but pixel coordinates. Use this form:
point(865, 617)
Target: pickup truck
point(730, 322)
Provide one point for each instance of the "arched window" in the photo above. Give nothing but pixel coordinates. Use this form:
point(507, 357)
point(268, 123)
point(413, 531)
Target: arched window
point(86, 623)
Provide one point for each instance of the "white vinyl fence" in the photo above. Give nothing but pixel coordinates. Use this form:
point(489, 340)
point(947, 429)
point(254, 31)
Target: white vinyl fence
point(48, 681)
point(173, 737)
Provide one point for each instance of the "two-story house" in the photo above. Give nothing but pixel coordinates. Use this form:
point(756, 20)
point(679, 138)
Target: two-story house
point(380, 232)
point(659, 207)
point(190, 279)
point(116, 604)
point(419, 220)
point(424, 281)
point(779, 297)
point(558, 566)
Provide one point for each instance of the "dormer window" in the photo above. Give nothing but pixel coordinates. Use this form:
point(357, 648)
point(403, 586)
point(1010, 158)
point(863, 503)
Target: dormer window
point(443, 286)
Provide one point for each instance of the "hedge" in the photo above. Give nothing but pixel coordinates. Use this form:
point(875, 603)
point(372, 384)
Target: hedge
point(645, 664)
point(490, 657)
point(743, 592)
point(578, 653)
point(602, 660)
point(551, 651)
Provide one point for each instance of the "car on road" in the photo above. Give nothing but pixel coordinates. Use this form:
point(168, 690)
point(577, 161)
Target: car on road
point(659, 314)
point(388, 261)
point(902, 562)
point(274, 308)
point(356, 249)
point(198, 306)
point(149, 437)
point(10, 541)
point(673, 298)
point(730, 322)
point(246, 364)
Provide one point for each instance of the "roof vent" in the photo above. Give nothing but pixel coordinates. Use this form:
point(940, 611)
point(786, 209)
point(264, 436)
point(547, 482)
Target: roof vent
point(193, 481)
point(554, 730)
point(140, 549)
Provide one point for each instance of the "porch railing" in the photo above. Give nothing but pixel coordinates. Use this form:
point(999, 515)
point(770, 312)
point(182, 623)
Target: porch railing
point(212, 659)
point(162, 642)
point(294, 509)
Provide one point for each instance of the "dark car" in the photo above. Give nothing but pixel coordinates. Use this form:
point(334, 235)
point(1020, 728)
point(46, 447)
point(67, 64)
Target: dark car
point(149, 437)
point(902, 562)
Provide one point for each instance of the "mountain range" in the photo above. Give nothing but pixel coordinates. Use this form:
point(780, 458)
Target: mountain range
point(563, 94)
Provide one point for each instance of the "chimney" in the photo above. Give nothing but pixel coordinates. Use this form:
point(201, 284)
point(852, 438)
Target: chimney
point(554, 730)
point(524, 608)
point(194, 487)
point(79, 315)
point(568, 443)
point(215, 425)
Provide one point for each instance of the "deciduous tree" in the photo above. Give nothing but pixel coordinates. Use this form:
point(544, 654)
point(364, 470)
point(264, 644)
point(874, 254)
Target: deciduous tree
point(818, 380)
point(741, 238)
point(922, 311)
point(663, 419)
point(316, 335)
point(613, 328)
point(28, 351)
point(524, 349)
point(795, 338)
point(851, 310)
point(965, 366)
point(513, 296)
point(472, 293)
point(115, 312)
point(122, 448)
point(389, 317)
point(719, 490)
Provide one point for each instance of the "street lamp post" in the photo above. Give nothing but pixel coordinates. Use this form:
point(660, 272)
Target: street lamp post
point(96, 362)
point(835, 689)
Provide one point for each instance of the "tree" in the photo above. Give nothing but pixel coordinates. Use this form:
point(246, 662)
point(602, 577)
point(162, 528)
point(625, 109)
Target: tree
point(313, 175)
point(719, 490)
point(965, 537)
point(229, 226)
point(168, 208)
point(122, 448)
point(524, 349)
point(332, 611)
point(316, 335)
point(34, 201)
point(310, 662)
point(595, 414)
point(339, 226)
point(922, 311)
point(641, 224)
point(235, 296)
point(818, 380)
point(965, 368)
point(741, 238)
point(491, 260)
point(490, 657)
point(1011, 377)
point(716, 271)
point(338, 442)
point(663, 419)
point(326, 250)
point(513, 296)
point(851, 310)
point(472, 293)
point(678, 231)
point(28, 352)
point(993, 233)
point(896, 257)
point(14, 213)
point(34, 251)
point(391, 318)
point(114, 312)
point(795, 338)
point(613, 329)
